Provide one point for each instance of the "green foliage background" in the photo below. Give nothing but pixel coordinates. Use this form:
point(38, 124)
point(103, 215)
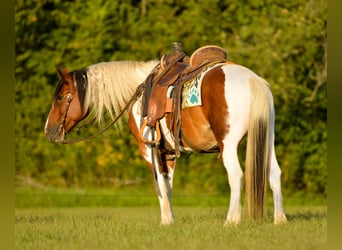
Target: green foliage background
point(283, 41)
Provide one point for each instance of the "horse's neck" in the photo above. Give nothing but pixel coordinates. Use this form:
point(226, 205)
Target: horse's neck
point(121, 72)
point(112, 84)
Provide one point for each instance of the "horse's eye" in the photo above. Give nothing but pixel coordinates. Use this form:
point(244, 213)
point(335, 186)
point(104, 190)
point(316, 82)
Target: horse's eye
point(59, 98)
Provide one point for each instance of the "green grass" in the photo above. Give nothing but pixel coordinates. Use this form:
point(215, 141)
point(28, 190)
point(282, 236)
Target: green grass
point(138, 228)
point(129, 219)
point(25, 197)
point(135, 196)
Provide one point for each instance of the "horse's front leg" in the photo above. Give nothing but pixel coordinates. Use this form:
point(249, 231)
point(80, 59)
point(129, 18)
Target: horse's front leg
point(163, 175)
point(162, 172)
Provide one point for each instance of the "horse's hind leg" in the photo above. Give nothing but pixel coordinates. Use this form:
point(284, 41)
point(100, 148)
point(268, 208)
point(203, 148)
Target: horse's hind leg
point(275, 184)
point(235, 175)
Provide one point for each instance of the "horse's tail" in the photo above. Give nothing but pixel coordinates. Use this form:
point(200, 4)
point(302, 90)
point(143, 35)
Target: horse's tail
point(258, 147)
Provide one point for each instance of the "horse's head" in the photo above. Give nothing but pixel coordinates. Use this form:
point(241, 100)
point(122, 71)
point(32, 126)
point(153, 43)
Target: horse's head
point(67, 108)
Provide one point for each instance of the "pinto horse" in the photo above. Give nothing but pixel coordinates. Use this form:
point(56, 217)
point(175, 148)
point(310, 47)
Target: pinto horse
point(235, 101)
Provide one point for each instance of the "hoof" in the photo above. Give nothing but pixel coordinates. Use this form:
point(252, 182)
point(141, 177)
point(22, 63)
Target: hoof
point(280, 219)
point(231, 222)
point(167, 222)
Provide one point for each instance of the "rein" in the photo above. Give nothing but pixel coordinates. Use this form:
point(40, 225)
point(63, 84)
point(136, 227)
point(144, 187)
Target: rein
point(136, 95)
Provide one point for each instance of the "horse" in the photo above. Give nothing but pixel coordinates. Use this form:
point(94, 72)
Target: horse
point(235, 102)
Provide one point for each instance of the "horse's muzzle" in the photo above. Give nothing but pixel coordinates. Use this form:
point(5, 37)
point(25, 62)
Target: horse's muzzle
point(55, 133)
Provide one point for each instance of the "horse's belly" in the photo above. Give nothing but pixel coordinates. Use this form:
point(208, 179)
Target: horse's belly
point(196, 131)
point(199, 143)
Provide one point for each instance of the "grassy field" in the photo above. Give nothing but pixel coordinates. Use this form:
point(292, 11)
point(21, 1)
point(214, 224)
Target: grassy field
point(138, 228)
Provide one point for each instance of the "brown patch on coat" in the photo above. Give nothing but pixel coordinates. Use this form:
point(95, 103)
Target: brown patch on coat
point(215, 105)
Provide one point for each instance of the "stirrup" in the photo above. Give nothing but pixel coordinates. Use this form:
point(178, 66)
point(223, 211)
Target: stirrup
point(150, 142)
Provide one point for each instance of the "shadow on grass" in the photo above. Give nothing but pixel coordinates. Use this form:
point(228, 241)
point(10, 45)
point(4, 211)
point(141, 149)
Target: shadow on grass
point(307, 215)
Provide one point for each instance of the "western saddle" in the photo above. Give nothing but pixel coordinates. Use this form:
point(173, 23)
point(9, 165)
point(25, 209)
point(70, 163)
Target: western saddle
point(164, 84)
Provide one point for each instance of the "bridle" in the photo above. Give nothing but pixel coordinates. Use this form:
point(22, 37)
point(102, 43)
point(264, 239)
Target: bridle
point(69, 97)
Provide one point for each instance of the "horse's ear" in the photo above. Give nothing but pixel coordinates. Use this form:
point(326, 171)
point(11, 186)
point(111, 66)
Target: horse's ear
point(63, 73)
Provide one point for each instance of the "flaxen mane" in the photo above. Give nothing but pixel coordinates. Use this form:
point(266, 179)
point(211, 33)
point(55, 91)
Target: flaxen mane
point(112, 84)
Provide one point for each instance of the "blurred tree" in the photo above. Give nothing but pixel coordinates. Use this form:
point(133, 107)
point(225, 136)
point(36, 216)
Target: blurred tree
point(284, 42)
